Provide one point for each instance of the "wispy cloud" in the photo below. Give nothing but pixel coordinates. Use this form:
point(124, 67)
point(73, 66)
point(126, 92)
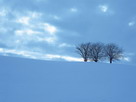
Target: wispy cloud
point(25, 32)
point(37, 55)
point(105, 9)
point(49, 28)
point(55, 17)
point(132, 23)
point(65, 45)
point(3, 12)
point(24, 20)
point(73, 9)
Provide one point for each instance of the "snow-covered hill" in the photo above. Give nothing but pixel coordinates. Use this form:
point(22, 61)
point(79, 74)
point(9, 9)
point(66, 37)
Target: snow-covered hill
point(25, 80)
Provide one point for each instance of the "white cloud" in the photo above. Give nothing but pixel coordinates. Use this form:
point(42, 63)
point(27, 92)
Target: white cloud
point(23, 20)
point(26, 29)
point(103, 8)
point(34, 29)
point(29, 35)
point(67, 58)
point(126, 59)
point(38, 55)
point(28, 17)
point(23, 53)
point(3, 12)
point(50, 28)
point(65, 45)
point(73, 9)
point(47, 39)
point(132, 23)
point(34, 14)
point(26, 32)
point(51, 39)
point(40, 32)
point(56, 17)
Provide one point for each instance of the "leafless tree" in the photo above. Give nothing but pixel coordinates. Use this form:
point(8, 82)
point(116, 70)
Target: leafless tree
point(113, 52)
point(96, 51)
point(83, 50)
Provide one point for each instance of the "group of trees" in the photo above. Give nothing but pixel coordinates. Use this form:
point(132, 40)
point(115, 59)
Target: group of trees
point(99, 51)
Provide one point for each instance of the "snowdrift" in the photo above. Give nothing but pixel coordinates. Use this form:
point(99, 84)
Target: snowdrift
point(25, 80)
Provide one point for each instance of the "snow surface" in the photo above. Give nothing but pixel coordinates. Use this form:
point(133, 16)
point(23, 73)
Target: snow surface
point(25, 80)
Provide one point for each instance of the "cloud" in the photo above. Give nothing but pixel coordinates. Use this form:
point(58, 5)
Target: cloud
point(65, 45)
point(73, 9)
point(132, 23)
point(67, 58)
point(25, 32)
point(3, 12)
point(23, 20)
point(25, 29)
point(56, 17)
point(104, 8)
point(126, 59)
point(29, 35)
point(37, 55)
point(28, 17)
point(49, 40)
point(49, 28)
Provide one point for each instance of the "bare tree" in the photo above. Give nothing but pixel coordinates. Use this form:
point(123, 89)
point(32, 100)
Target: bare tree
point(96, 51)
point(83, 50)
point(113, 52)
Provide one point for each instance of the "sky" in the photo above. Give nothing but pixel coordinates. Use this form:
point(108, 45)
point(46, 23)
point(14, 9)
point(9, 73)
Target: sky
point(50, 29)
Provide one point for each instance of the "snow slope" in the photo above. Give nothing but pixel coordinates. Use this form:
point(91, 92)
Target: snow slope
point(25, 80)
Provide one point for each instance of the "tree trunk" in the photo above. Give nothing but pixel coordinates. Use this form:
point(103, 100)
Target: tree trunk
point(96, 60)
point(85, 60)
point(110, 61)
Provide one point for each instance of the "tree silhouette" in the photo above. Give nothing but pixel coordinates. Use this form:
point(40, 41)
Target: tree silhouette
point(83, 50)
point(96, 51)
point(113, 52)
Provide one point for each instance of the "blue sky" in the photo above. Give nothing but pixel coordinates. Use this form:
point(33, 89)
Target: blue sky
point(50, 29)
